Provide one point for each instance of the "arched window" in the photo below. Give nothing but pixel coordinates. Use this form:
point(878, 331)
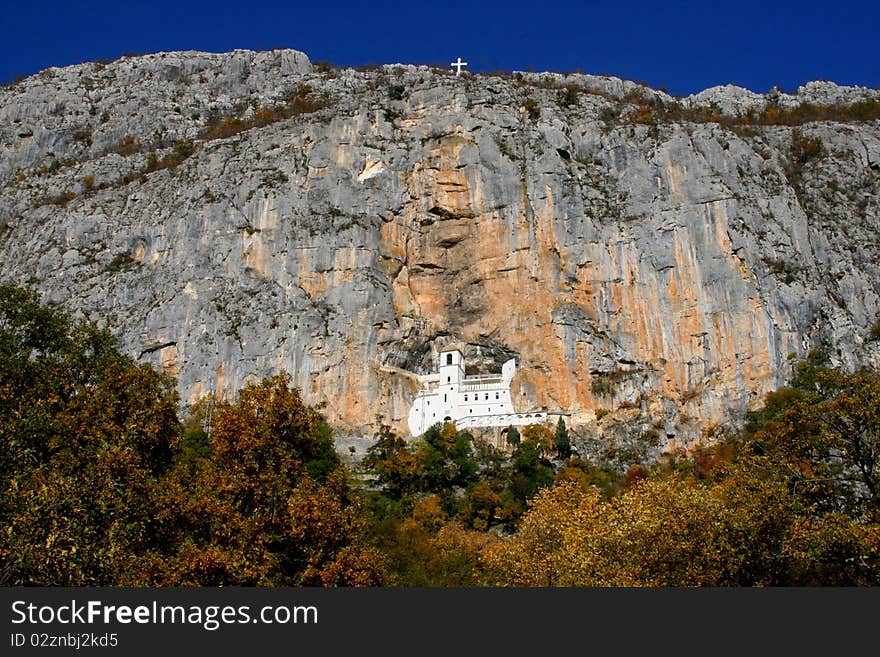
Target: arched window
point(465, 397)
point(449, 359)
point(496, 395)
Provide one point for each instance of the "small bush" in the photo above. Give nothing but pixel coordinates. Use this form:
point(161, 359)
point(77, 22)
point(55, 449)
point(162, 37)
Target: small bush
point(644, 115)
point(274, 179)
point(672, 111)
point(782, 269)
point(128, 145)
point(83, 136)
point(606, 384)
point(181, 151)
point(505, 149)
point(568, 96)
point(303, 100)
point(325, 67)
point(55, 165)
point(299, 100)
point(88, 183)
point(61, 199)
point(228, 127)
point(609, 115)
point(532, 108)
point(120, 262)
point(805, 149)
point(396, 92)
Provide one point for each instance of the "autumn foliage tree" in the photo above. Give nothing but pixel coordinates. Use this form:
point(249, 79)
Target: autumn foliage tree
point(269, 503)
point(823, 432)
point(101, 485)
point(86, 436)
point(676, 531)
point(792, 502)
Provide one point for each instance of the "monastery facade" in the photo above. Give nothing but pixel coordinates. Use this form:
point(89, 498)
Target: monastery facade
point(469, 401)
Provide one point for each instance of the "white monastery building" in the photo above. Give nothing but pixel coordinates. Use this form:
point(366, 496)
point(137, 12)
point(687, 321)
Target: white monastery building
point(468, 401)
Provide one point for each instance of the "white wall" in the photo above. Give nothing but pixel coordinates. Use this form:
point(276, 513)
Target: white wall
point(429, 406)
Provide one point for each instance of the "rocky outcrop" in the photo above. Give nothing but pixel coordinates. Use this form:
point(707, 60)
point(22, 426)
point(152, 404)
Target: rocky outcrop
point(666, 271)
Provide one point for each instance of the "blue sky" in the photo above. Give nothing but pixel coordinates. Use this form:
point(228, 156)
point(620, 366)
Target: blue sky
point(682, 46)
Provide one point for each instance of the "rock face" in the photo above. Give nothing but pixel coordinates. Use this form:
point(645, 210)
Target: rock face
point(665, 272)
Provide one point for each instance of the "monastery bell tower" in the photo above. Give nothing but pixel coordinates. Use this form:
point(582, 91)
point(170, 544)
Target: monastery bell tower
point(451, 367)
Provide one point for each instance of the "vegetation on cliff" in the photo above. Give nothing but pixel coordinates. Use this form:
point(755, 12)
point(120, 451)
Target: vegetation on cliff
point(102, 484)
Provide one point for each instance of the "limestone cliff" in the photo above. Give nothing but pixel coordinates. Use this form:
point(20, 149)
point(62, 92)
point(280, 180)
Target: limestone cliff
point(345, 225)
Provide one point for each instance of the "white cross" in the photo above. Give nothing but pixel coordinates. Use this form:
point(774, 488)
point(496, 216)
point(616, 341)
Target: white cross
point(458, 64)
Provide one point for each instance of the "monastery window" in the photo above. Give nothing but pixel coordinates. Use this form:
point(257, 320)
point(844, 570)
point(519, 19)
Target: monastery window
point(470, 410)
point(449, 359)
point(465, 397)
point(487, 396)
point(448, 379)
point(496, 395)
point(444, 397)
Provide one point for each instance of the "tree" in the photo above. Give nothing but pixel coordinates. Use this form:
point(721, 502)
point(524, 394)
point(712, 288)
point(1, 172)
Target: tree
point(544, 551)
point(531, 470)
point(86, 436)
point(513, 436)
point(99, 488)
point(540, 436)
point(567, 96)
point(825, 432)
point(270, 504)
point(445, 459)
point(393, 463)
point(486, 505)
point(675, 531)
point(793, 502)
point(562, 440)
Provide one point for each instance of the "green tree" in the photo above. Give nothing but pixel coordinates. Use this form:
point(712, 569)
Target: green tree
point(445, 459)
point(562, 440)
point(531, 470)
point(396, 92)
point(393, 463)
point(513, 436)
